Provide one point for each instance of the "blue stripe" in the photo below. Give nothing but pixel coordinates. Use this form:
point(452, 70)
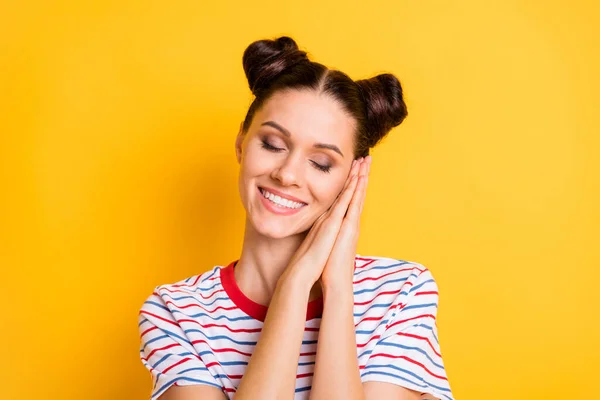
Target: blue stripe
point(157, 305)
point(384, 283)
point(233, 362)
point(366, 352)
point(425, 384)
point(209, 288)
point(419, 306)
point(373, 306)
point(184, 378)
point(420, 285)
point(401, 346)
point(142, 321)
point(244, 343)
point(168, 333)
point(213, 318)
point(193, 298)
point(193, 369)
point(161, 360)
point(362, 332)
point(210, 275)
point(366, 269)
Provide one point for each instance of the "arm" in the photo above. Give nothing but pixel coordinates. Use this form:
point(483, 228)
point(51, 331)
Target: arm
point(337, 373)
point(275, 357)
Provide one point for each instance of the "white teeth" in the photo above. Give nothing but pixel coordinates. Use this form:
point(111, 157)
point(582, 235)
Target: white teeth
point(279, 201)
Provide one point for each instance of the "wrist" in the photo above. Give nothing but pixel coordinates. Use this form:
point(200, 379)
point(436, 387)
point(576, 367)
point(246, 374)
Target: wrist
point(293, 279)
point(338, 291)
point(338, 287)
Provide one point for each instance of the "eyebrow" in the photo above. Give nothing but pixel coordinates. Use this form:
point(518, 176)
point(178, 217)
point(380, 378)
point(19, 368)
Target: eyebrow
point(316, 145)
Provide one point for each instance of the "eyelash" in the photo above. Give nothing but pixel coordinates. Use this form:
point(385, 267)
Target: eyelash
point(267, 146)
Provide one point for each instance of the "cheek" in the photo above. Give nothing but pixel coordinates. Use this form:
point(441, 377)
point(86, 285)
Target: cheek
point(253, 165)
point(327, 191)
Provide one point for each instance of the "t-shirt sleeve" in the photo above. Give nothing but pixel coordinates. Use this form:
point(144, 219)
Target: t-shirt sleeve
point(408, 352)
point(166, 352)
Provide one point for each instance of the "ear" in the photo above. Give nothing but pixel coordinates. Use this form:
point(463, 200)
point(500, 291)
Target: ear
point(239, 140)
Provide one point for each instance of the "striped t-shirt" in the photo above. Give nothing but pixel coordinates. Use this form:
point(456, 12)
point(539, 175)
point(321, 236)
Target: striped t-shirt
point(203, 330)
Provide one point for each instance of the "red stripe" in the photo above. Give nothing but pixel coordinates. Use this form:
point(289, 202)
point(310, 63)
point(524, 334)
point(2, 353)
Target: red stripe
point(159, 317)
point(176, 364)
point(199, 305)
point(161, 348)
point(369, 341)
point(369, 319)
point(310, 353)
point(187, 284)
point(192, 292)
point(255, 330)
point(420, 338)
point(148, 330)
point(371, 278)
point(370, 261)
point(410, 360)
point(425, 293)
point(410, 319)
point(374, 298)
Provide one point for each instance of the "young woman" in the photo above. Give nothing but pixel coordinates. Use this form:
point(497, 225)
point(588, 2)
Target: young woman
point(300, 315)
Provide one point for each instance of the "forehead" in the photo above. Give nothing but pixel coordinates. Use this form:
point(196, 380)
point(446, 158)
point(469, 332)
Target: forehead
point(309, 116)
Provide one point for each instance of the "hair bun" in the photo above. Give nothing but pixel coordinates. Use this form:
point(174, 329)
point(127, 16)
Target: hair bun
point(264, 60)
point(385, 107)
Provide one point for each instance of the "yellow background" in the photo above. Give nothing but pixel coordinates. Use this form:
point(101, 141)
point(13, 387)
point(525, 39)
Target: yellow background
point(117, 173)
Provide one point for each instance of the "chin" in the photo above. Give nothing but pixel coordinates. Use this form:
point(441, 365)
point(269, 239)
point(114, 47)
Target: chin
point(273, 230)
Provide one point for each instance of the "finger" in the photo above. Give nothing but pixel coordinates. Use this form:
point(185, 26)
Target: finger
point(355, 207)
point(341, 205)
point(356, 164)
point(353, 171)
point(364, 192)
point(364, 167)
point(328, 228)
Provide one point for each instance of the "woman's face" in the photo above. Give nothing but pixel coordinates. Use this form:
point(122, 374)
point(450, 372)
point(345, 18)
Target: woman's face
point(299, 147)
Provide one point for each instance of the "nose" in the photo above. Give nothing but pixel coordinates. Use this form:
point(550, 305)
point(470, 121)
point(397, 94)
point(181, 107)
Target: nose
point(289, 172)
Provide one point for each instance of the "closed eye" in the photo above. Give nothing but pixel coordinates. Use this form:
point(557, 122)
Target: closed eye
point(265, 145)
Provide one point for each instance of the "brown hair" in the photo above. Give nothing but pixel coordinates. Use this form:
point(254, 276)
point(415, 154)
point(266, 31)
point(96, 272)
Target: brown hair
point(376, 103)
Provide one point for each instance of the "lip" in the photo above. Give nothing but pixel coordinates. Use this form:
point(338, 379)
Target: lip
point(274, 208)
point(282, 195)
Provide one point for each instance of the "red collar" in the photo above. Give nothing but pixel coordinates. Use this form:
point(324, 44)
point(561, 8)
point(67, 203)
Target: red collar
point(257, 311)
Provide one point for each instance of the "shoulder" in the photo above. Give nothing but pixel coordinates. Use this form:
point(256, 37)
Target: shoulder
point(388, 269)
point(168, 298)
point(378, 275)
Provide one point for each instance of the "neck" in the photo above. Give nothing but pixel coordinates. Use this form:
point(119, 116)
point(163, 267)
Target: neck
point(263, 261)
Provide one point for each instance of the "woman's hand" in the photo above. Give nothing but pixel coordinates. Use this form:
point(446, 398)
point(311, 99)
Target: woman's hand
point(339, 269)
point(309, 261)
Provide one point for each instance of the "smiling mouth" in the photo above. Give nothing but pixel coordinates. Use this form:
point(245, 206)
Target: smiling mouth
point(280, 201)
